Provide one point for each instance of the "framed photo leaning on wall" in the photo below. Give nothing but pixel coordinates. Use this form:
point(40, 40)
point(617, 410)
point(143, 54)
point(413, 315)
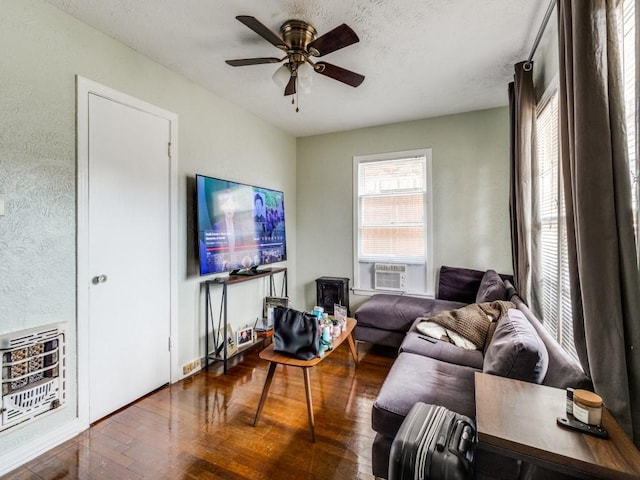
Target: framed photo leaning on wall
point(245, 336)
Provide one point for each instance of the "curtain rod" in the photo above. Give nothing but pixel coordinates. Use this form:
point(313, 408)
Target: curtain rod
point(528, 64)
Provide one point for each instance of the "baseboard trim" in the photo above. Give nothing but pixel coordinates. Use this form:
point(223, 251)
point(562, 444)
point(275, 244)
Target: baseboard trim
point(15, 458)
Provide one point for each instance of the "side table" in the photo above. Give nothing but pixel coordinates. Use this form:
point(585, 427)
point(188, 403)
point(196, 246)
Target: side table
point(518, 420)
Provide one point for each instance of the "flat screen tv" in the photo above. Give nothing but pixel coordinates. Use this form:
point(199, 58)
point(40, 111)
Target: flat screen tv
point(240, 227)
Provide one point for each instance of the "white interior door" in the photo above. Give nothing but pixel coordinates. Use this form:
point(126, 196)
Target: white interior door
point(129, 254)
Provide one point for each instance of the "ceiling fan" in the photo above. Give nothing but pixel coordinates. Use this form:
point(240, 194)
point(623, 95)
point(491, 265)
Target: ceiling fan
point(300, 43)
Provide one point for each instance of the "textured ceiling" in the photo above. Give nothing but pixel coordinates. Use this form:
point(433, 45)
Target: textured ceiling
point(421, 58)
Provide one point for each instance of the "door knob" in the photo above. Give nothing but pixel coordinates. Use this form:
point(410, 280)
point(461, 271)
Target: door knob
point(99, 279)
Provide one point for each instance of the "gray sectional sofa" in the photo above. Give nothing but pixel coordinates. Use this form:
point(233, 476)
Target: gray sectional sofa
point(436, 372)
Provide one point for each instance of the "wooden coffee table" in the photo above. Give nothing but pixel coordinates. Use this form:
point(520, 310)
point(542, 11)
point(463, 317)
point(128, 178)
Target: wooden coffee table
point(276, 359)
point(518, 419)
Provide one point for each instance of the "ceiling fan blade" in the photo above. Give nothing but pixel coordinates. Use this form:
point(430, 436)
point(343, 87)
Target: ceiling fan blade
point(266, 33)
point(338, 73)
point(241, 62)
point(340, 37)
point(290, 89)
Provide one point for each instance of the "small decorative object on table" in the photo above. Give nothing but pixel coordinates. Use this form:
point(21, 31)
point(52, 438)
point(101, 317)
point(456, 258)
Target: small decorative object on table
point(340, 314)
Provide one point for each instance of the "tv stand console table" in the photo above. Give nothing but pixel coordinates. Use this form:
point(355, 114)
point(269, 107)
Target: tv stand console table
point(221, 354)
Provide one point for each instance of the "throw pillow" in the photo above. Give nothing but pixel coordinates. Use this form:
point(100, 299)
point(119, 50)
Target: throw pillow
point(516, 351)
point(492, 288)
point(458, 284)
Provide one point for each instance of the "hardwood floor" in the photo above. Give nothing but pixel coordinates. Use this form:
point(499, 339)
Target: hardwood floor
point(201, 428)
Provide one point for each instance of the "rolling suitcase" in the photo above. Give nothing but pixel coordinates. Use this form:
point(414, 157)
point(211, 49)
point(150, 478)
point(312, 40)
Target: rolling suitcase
point(433, 443)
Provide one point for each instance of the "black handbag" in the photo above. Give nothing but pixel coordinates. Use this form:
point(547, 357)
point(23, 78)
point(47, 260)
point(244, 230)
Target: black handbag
point(295, 333)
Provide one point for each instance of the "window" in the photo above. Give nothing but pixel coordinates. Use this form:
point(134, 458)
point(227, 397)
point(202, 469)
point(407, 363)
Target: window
point(627, 31)
point(556, 297)
point(392, 218)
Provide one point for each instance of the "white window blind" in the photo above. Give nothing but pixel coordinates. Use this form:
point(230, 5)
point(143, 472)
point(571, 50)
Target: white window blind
point(392, 201)
point(556, 296)
point(627, 30)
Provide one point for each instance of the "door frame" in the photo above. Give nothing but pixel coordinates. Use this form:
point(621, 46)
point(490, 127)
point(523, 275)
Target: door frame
point(84, 88)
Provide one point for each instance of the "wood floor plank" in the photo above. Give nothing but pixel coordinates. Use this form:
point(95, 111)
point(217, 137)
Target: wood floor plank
point(202, 427)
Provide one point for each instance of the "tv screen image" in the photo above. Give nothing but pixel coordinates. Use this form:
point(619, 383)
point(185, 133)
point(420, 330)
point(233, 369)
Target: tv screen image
point(240, 227)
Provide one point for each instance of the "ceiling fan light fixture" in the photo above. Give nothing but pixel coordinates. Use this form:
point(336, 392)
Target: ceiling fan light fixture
point(305, 77)
point(298, 39)
point(281, 76)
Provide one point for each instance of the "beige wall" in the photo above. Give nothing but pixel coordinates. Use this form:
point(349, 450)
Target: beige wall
point(470, 193)
point(42, 52)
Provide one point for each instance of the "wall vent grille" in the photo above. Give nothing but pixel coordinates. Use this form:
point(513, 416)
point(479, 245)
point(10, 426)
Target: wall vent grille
point(33, 374)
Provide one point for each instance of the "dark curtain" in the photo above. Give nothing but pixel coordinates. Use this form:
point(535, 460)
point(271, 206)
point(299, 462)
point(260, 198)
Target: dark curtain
point(523, 204)
point(605, 286)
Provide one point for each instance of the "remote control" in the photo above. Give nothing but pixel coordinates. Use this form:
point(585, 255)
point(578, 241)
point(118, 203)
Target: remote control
point(579, 426)
point(428, 339)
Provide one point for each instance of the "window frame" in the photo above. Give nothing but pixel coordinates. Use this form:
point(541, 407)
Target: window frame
point(429, 281)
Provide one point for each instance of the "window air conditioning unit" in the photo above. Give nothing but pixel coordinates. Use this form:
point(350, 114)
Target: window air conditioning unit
point(390, 276)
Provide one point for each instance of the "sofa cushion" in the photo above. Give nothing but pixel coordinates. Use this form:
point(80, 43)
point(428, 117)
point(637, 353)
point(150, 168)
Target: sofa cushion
point(398, 312)
point(379, 336)
point(516, 351)
point(414, 342)
point(415, 378)
point(563, 370)
point(458, 284)
point(491, 288)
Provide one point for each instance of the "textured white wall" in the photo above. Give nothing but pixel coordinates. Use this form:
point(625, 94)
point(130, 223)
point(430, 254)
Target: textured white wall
point(42, 51)
point(470, 192)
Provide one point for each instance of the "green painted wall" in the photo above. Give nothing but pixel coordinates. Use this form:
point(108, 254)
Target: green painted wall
point(470, 192)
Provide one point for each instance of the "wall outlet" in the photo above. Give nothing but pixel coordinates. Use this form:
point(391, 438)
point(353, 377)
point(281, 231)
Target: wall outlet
point(191, 366)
